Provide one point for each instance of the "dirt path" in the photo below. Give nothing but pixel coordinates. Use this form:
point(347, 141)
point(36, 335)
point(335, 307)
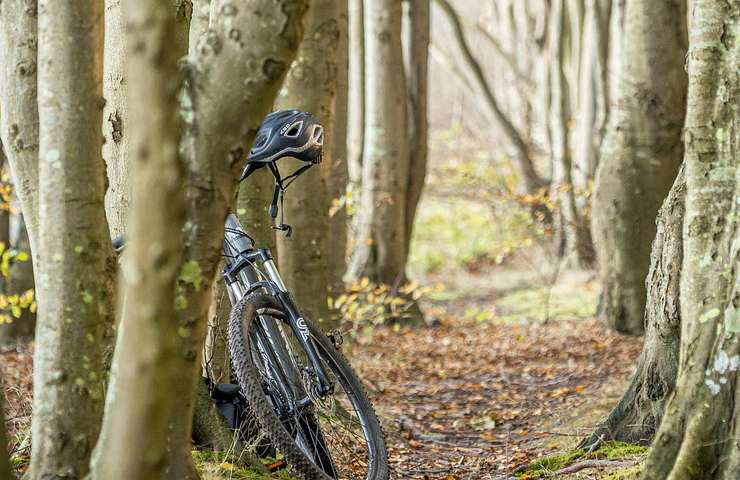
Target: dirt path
point(474, 400)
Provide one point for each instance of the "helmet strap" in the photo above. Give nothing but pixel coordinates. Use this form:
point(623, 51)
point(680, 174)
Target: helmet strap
point(278, 195)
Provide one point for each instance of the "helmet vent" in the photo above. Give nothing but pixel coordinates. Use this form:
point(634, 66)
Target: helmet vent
point(294, 129)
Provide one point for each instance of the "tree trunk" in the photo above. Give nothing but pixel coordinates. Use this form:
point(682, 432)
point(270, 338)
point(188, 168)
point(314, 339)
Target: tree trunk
point(338, 171)
point(380, 252)
point(115, 115)
point(4, 463)
point(199, 22)
point(136, 423)
point(74, 281)
point(698, 436)
point(575, 242)
point(311, 85)
point(241, 62)
point(356, 91)
point(637, 415)
point(19, 121)
point(641, 155)
point(417, 67)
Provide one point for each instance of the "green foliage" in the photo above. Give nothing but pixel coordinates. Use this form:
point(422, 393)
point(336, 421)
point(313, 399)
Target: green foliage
point(12, 306)
point(547, 466)
point(213, 465)
point(366, 304)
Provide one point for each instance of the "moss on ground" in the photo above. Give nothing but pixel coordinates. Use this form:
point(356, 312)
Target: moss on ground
point(547, 466)
point(213, 465)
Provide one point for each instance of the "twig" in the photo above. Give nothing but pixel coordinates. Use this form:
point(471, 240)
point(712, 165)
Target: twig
point(594, 464)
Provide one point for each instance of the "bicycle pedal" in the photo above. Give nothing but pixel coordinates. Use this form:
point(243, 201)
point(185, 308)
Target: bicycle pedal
point(276, 466)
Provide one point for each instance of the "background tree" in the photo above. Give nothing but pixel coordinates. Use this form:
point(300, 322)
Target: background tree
point(379, 251)
point(696, 437)
point(356, 90)
point(641, 155)
point(311, 85)
point(136, 419)
point(75, 256)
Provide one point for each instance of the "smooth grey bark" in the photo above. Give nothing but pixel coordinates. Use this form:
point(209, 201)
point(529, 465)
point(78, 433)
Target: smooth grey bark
point(356, 91)
point(379, 247)
point(199, 22)
point(136, 425)
point(528, 178)
point(115, 114)
point(311, 85)
point(417, 69)
point(640, 155)
point(240, 62)
point(697, 438)
point(74, 260)
point(19, 121)
point(637, 415)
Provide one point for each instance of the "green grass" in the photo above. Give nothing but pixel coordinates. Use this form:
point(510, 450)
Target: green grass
point(547, 466)
point(565, 301)
point(220, 466)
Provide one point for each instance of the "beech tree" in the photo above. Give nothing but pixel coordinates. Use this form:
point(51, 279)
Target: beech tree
point(641, 155)
point(356, 90)
point(696, 438)
point(311, 85)
point(136, 419)
point(74, 257)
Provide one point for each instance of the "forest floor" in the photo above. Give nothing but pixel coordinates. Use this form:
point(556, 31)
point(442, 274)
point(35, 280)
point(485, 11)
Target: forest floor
point(489, 388)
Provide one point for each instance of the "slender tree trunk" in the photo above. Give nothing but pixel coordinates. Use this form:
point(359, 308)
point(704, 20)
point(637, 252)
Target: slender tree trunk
point(575, 241)
point(641, 155)
point(637, 415)
point(311, 85)
point(380, 252)
point(417, 67)
point(356, 91)
point(4, 463)
point(19, 121)
point(136, 419)
point(217, 138)
point(584, 151)
point(337, 171)
point(698, 436)
point(74, 280)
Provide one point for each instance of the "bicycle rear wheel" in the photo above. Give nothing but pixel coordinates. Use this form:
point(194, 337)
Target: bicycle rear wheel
point(336, 435)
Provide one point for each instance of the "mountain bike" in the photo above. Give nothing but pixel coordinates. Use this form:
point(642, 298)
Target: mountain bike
point(298, 386)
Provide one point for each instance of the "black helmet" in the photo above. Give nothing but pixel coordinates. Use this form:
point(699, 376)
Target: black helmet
point(288, 133)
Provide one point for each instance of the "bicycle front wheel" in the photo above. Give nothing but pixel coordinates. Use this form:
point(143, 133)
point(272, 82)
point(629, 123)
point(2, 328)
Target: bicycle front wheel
point(322, 436)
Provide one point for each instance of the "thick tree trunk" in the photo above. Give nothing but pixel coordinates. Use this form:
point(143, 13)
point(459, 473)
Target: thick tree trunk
point(637, 415)
point(115, 115)
point(243, 62)
point(19, 121)
point(575, 241)
point(74, 281)
point(311, 85)
point(380, 252)
point(698, 436)
point(136, 423)
point(640, 156)
point(417, 68)
point(356, 91)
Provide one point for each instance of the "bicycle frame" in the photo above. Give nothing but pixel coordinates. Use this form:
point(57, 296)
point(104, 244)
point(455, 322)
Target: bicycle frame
point(242, 277)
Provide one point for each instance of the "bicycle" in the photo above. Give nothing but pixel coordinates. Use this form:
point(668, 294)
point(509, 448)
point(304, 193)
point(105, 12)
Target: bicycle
point(299, 387)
